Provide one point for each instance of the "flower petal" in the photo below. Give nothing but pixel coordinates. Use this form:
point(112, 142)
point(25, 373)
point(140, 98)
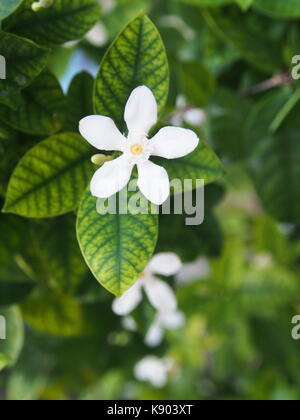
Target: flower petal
point(161, 295)
point(174, 142)
point(112, 177)
point(125, 304)
point(153, 182)
point(141, 110)
point(154, 335)
point(172, 320)
point(165, 263)
point(101, 132)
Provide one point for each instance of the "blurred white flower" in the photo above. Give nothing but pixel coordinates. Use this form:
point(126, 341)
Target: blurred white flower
point(140, 115)
point(129, 324)
point(263, 260)
point(37, 5)
point(199, 269)
point(153, 370)
point(186, 113)
point(163, 320)
point(107, 6)
point(195, 116)
point(97, 36)
point(160, 294)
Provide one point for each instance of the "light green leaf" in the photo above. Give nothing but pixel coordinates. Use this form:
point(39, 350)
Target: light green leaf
point(201, 164)
point(7, 7)
point(42, 107)
point(51, 177)
point(65, 20)
point(25, 61)
point(53, 313)
point(244, 4)
point(79, 100)
point(284, 9)
point(137, 57)
point(11, 347)
point(116, 247)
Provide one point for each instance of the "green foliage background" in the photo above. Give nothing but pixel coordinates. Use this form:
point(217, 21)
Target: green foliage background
point(232, 59)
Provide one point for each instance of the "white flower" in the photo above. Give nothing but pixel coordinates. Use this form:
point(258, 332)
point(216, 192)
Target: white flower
point(37, 5)
point(160, 294)
point(140, 115)
point(163, 320)
point(153, 370)
point(197, 270)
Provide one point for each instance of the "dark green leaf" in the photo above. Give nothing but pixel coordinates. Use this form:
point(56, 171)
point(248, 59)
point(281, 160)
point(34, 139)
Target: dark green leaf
point(42, 107)
point(24, 61)
point(79, 100)
point(65, 20)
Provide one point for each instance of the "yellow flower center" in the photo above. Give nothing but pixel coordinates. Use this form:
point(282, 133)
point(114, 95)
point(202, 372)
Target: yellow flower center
point(136, 149)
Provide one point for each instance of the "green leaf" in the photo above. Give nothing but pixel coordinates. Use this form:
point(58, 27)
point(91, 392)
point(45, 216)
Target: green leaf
point(278, 8)
point(65, 20)
point(137, 57)
point(246, 40)
point(12, 148)
point(244, 4)
point(15, 285)
point(11, 347)
point(124, 12)
point(24, 60)
point(53, 313)
point(116, 247)
point(228, 113)
point(12, 230)
point(7, 7)
point(42, 107)
point(275, 170)
point(207, 3)
point(79, 100)
point(200, 164)
point(51, 178)
point(57, 257)
point(197, 83)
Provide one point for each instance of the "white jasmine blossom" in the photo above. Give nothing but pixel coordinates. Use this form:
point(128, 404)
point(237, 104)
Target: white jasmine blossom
point(98, 35)
point(140, 115)
point(154, 370)
point(40, 4)
point(163, 320)
point(159, 293)
point(197, 270)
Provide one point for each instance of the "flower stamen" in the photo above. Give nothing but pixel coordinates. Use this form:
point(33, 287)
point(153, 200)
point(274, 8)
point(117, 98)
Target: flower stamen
point(136, 149)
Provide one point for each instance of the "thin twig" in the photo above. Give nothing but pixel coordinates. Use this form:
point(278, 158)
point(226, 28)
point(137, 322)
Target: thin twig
point(276, 81)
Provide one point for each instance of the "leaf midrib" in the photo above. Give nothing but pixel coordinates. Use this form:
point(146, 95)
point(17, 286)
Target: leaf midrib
point(50, 18)
point(59, 174)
